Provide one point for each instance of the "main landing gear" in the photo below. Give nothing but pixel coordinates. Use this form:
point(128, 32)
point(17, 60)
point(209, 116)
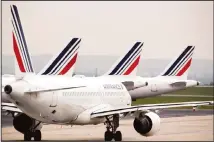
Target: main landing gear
point(111, 126)
point(36, 134)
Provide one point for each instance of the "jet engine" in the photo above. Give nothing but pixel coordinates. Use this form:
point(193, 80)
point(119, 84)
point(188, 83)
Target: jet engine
point(147, 124)
point(23, 123)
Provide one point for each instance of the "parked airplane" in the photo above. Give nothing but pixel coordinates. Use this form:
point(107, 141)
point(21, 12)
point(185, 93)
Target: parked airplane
point(79, 101)
point(173, 78)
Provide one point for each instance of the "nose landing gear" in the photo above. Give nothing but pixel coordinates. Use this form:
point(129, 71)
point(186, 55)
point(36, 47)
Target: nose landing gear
point(111, 126)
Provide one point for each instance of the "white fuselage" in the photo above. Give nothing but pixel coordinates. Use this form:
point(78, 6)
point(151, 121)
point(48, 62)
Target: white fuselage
point(70, 106)
point(156, 85)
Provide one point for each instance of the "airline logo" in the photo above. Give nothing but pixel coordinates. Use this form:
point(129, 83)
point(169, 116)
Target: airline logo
point(181, 64)
point(19, 43)
point(129, 62)
point(65, 60)
point(113, 86)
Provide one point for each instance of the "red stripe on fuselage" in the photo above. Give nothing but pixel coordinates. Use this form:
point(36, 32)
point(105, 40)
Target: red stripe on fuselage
point(182, 71)
point(132, 67)
point(17, 54)
point(69, 65)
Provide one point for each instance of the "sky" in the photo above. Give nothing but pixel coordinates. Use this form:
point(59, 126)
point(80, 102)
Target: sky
point(111, 28)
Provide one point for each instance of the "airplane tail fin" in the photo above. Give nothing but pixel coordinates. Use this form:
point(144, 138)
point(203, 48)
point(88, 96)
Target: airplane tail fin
point(64, 62)
point(23, 58)
point(181, 64)
point(127, 65)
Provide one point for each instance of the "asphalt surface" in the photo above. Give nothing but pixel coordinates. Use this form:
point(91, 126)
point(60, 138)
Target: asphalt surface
point(7, 121)
point(186, 128)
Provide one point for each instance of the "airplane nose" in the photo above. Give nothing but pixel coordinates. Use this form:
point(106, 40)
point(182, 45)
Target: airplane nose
point(8, 89)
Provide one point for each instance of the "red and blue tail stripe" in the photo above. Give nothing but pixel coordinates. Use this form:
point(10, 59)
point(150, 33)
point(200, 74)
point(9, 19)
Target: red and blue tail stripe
point(19, 43)
point(181, 64)
point(129, 61)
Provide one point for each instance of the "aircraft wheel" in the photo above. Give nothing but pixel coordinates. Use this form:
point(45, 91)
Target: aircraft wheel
point(27, 136)
point(38, 135)
point(118, 136)
point(108, 136)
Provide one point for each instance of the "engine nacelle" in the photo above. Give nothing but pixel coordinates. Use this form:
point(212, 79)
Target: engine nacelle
point(23, 123)
point(147, 124)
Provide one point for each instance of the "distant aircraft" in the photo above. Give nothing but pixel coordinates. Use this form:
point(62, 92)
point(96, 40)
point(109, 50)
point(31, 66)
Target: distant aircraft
point(173, 78)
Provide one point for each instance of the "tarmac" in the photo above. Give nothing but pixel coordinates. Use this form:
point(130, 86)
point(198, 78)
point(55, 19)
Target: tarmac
point(176, 125)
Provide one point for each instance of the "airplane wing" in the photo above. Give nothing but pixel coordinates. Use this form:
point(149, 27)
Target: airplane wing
point(11, 109)
point(133, 109)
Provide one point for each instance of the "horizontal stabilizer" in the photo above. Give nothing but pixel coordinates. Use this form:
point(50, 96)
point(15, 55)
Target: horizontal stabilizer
point(130, 85)
point(8, 104)
point(11, 109)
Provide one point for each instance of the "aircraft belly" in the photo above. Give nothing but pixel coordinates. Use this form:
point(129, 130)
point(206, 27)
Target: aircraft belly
point(65, 113)
point(145, 92)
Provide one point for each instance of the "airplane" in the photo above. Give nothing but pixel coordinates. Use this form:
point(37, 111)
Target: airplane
point(79, 101)
point(173, 78)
